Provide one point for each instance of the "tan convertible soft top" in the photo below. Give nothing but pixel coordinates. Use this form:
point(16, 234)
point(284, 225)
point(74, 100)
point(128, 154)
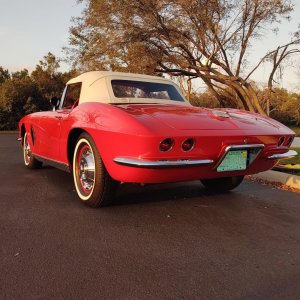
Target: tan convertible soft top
point(96, 87)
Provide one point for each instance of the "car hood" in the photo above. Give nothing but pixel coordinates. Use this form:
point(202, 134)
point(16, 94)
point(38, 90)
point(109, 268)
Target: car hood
point(185, 117)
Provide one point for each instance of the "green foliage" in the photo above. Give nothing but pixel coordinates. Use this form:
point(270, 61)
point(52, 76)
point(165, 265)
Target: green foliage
point(20, 74)
point(22, 93)
point(205, 99)
point(284, 105)
point(292, 161)
point(4, 120)
point(4, 75)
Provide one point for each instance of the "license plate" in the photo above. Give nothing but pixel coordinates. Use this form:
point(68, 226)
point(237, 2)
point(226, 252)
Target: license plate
point(234, 161)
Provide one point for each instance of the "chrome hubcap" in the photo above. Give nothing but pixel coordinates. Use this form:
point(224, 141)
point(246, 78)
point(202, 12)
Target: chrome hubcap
point(86, 169)
point(27, 151)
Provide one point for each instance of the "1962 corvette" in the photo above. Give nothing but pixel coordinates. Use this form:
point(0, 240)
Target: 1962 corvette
point(116, 127)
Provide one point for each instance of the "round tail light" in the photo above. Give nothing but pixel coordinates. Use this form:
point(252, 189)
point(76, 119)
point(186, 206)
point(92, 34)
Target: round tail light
point(188, 144)
point(289, 141)
point(281, 141)
point(166, 145)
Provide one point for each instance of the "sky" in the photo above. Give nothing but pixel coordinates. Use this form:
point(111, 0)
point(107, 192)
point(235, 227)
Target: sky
point(29, 29)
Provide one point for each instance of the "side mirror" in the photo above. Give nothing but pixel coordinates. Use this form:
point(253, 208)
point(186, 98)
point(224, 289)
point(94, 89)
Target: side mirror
point(54, 101)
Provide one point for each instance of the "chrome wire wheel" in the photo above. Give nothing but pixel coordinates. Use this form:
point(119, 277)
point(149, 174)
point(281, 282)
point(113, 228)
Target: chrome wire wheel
point(26, 150)
point(84, 169)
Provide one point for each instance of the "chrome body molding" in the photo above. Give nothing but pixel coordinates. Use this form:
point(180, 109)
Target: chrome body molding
point(246, 146)
point(257, 147)
point(289, 154)
point(162, 164)
point(53, 163)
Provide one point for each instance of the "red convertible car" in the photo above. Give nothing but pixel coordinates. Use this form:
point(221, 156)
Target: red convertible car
point(116, 127)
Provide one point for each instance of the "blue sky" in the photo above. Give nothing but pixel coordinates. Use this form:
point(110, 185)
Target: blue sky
point(29, 29)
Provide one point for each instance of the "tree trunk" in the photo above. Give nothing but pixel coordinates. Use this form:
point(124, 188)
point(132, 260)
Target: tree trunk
point(254, 98)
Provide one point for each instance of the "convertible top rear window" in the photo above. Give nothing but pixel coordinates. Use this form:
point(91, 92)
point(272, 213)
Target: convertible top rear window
point(142, 89)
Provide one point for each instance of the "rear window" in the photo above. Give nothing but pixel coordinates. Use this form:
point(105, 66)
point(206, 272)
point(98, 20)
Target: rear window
point(142, 89)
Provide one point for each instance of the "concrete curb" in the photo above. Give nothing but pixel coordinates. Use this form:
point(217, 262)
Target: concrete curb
point(289, 180)
point(296, 142)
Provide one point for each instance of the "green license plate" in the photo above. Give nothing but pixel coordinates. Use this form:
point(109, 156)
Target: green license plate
point(234, 161)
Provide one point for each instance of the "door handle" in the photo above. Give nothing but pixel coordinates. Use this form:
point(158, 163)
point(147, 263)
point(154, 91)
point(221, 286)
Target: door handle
point(58, 117)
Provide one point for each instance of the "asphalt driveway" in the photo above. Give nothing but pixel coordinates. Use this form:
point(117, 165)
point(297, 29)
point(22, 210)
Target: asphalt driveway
point(171, 241)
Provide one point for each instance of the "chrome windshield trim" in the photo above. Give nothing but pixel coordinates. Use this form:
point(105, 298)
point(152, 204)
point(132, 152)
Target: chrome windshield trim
point(162, 164)
point(289, 154)
point(241, 147)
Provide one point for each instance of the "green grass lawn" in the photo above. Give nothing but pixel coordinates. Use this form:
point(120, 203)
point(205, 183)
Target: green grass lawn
point(296, 129)
point(292, 161)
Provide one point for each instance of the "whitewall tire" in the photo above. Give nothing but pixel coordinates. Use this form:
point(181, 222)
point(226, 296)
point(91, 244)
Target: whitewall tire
point(29, 160)
point(93, 184)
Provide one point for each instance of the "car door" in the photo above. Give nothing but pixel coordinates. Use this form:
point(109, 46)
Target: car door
point(51, 124)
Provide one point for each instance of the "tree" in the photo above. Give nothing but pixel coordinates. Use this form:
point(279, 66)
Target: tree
point(205, 99)
point(277, 57)
point(4, 75)
point(49, 64)
point(23, 74)
point(23, 93)
point(207, 39)
point(47, 77)
point(15, 92)
point(284, 105)
point(50, 81)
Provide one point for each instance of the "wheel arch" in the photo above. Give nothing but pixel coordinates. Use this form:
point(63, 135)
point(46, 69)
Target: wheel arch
point(72, 140)
point(22, 132)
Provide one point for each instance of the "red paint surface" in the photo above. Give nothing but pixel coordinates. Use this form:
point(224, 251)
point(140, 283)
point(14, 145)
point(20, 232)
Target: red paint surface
point(135, 131)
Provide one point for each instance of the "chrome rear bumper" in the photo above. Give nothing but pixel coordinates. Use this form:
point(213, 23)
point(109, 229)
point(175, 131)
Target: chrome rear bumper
point(289, 154)
point(162, 164)
point(167, 164)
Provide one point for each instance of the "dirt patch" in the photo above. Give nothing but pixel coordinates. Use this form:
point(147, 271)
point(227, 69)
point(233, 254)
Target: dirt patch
point(275, 185)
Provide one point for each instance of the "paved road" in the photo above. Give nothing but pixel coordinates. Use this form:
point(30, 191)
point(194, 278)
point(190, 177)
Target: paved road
point(173, 241)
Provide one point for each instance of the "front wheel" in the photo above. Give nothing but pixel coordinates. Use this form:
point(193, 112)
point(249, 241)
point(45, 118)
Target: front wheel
point(93, 184)
point(29, 160)
point(223, 184)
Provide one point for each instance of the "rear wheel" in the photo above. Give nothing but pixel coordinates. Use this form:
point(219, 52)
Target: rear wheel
point(29, 160)
point(93, 184)
point(223, 184)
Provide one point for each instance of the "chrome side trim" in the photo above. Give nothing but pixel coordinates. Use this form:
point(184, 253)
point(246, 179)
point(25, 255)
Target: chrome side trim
point(162, 164)
point(289, 154)
point(53, 163)
point(241, 147)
